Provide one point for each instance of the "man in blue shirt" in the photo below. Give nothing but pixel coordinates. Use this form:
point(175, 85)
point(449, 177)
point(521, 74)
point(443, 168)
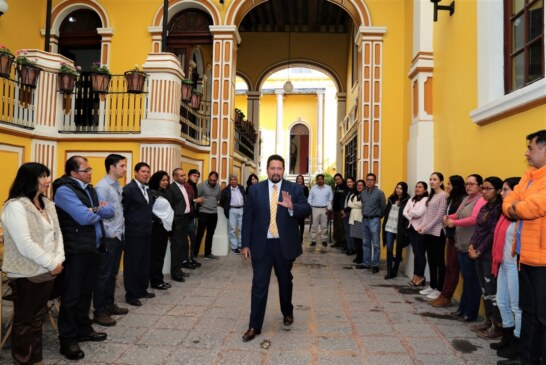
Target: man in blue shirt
point(320, 199)
point(81, 210)
point(109, 258)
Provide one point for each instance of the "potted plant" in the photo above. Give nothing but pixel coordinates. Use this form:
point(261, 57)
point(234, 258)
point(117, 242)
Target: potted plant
point(6, 60)
point(67, 77)
point(100, 78)
point(28, 70)
point(135, 80)
point(186, 88)
point(196, 99)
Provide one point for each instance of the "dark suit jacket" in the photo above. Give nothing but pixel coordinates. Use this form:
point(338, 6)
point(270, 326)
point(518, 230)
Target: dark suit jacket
point(256, 217)
point(225, 198)
point(136, 211)
point(178, 202)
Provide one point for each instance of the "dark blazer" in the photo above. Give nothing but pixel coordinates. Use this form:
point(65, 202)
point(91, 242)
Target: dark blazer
point(225, 198)
point(136, 211)
point(256, 217)
point(177, 201)
point(402, 238)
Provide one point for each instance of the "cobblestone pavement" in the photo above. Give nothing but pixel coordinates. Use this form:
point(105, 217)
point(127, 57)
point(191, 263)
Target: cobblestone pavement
point(342, 316)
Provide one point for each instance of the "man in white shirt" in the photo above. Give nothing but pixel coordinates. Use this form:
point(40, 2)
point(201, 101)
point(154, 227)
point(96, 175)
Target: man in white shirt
point(232, 199)
point(320, 199)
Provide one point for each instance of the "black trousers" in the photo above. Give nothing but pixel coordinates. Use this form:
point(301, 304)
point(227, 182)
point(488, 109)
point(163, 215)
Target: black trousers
point(105, 287)
point(179, 243)
point(136, 266)
point(30, 307)
point(77, 282)
point(532, 300)
point(272, 259)
point(301, 226)
point(160, 239)
point(207, 221)
point(435, 249)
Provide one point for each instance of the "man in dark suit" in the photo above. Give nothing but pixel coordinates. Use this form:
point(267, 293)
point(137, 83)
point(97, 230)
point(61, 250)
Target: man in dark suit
point(137, 210)
point(271, 238)
point(232, 200)
point(181, 200)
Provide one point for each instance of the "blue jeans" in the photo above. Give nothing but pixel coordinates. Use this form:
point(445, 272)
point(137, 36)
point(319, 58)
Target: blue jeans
point(470, 298)
point(370, 237)
point(235, 221)
point(389, 242)
point(105, 284)
point(508, 296)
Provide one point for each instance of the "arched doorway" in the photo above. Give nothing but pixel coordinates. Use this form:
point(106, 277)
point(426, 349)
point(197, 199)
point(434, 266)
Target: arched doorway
point(80, 41)
point(299, 149)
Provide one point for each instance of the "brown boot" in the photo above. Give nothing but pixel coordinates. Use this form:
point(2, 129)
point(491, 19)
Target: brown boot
point(441, 301)
point(482, 326)
point(494, 331)
point(104, 319)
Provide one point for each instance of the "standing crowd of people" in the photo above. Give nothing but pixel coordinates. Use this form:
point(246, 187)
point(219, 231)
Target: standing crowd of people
point(491, 232)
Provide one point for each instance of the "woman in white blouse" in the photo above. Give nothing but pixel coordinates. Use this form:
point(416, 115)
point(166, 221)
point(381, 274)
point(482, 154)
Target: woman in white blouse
point(33, 256)
point(415, 213)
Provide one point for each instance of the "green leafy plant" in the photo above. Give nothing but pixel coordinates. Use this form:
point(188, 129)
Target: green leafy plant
point(96, 67)
point(23, 60)
point(67, 68)
point(4, 49)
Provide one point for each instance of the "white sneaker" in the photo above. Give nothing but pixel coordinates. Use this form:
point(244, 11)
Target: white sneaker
point(426, 291)
point(434, 295)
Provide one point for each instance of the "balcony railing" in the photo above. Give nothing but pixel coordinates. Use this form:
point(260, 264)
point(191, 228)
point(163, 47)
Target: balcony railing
point(17, 103)
point(115, 112)
point(194, 124)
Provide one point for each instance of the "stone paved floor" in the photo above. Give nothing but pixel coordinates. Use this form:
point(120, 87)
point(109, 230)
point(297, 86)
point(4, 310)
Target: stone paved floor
point(342, 316)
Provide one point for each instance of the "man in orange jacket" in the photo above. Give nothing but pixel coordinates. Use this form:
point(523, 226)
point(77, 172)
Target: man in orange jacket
point(527, 204)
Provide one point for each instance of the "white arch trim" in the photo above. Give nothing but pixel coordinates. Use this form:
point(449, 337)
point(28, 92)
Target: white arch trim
point(188, 4)
point(103, 15)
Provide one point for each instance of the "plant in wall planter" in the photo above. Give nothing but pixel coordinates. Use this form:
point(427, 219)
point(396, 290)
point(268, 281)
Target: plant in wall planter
point(186, 89)
point(27, 69)
point(100, 78)
point(6, 60)
point(196, 99)
point(135, 80)
point(66, 79)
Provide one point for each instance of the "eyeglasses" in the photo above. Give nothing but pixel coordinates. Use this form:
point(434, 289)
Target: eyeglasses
point(87, 171)
point(470, 184)
point(487, 188)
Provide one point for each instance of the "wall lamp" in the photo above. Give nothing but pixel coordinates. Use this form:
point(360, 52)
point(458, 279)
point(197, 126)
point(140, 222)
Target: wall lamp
point(450, 7)
point(3, 7)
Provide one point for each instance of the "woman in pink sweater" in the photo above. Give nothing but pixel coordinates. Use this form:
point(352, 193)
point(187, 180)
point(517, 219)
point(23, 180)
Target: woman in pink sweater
point(414, 212)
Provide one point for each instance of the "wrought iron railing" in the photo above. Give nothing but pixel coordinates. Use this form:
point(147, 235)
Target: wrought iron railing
point(118, 111)
point(194, 124)
point(17, 102)
point(243, 144)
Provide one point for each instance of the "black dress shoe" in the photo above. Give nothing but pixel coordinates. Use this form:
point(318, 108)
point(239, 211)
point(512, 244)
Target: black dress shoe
point(196, 263)
point(168, 285)
point(178, 278)
point(188, 265)
point(184, 274)
point(362, 267)
point(375, 269)
point(148, 295)
point(134, 302)
point(456, 314)
point(313, 244)
point(250, 334)
point(161, 286)
point(288, 320)
point(93, 336)
point(466, 319)
point(72, 352)
point(325, 244)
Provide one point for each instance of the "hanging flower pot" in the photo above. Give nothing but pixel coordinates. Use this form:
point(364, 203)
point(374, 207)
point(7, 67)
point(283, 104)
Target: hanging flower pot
point(66, 82)
point(186, 88)
point(28, 75)
point(100, 82)
point(135, 81)
point(196, 99)
point(6, 60)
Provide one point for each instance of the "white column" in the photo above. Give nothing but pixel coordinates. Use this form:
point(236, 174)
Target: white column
point(341, 110)
point(320, 129)
point(280, 118)
point(253, 113)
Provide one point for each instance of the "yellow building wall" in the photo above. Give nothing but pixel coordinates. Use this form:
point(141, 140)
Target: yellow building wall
point(19, 27)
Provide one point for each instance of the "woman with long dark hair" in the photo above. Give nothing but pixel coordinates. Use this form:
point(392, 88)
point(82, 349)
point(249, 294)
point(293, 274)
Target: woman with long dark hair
point(434, 237)
point(301, 222)
point(480, 248)
point(33, 257)
point(505, 269)
point(456, 190)
point(163, 215)
point(414, 213)
point(464, 221)
point(355, 222)
point(345, 213)
point(395, 227)
point(252, 179)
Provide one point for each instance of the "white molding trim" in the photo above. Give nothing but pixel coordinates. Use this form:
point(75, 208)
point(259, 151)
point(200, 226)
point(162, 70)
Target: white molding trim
point(16, 149)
